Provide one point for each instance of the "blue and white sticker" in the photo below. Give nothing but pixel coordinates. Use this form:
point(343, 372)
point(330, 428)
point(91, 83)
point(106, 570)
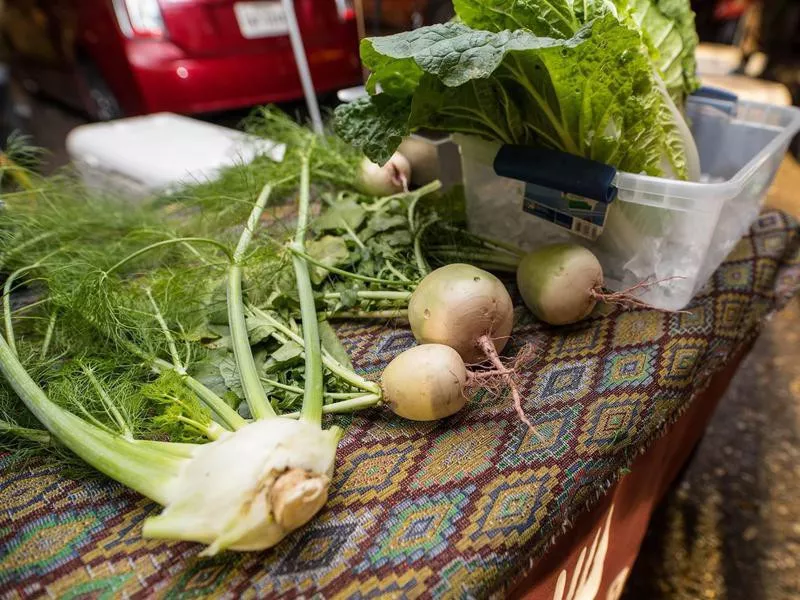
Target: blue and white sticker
point(582, 216)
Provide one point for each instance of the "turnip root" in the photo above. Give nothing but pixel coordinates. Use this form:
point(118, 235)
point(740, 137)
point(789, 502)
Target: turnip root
point(559, 283)
point(391, 178)
point(425, 383)
point(562, 283)
point(458, 305)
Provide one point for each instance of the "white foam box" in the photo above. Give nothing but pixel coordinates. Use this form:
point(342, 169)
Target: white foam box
point(141, 156)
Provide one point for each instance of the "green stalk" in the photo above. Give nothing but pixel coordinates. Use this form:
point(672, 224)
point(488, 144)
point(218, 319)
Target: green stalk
point(162, 323)
point(48, 336)
point(254, 394)
point(7, 288)
point(298, 390)
point(144, 469)
point(426, 189)
point(353, 235)
point(422, 265)
point(396, 273)
point(229, 417)
point(393, 313)
point(300, 253)
point(487, 241)
point(108, 403)
point(169, 242)
point(475, 256)
point(311, 411)
point(207, 431)
point(346, 406)
point(32, 435)
point(373, 295)
point(328, 361)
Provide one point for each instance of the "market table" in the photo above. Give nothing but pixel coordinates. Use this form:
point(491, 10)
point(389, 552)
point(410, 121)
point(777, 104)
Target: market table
point(468, 507)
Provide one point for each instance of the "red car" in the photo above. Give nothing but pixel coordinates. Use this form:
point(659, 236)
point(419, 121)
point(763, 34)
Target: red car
point(127, 57)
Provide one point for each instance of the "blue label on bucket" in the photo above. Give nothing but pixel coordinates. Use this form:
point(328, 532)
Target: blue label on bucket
point(580, 215)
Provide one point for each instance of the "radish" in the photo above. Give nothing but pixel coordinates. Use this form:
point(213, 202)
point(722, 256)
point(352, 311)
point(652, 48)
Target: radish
point(425, 383)
point(391, 178)
point(462, 306)
point(560, 283)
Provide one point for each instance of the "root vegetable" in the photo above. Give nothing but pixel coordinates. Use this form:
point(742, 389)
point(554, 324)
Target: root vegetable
point(459, 304)
point(425, 383)
point(560, 283)
point(391, 178)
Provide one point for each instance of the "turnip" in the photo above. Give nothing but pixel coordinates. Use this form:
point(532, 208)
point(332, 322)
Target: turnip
point(559, 283)
point(391, 178)
point(462, 306)
point(562, 283)
point(425, 383)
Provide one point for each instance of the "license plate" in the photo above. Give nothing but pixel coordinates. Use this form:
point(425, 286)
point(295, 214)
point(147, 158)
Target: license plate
point(260, 19)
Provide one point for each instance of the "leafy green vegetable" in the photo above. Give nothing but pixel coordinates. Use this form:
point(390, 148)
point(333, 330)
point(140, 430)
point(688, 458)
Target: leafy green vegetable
point(592, 94)
point(668, 28)
point(582, 77)
point(329, 250)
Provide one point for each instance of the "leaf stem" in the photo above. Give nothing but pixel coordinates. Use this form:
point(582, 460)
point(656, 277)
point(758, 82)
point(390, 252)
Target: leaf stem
point(311, 411)
point(254, 394)
point(108, 403)
point(48, 336)
point(396, 273)
point(373, 295)
point(169, 242)
point(173, 348)
point(328, 361)
point(393, 313)
point(310, 259)
point(7, 288)
point(295, 389)
point(422, 265)
point(346, 406)
point(353, 235)
point(487, 241)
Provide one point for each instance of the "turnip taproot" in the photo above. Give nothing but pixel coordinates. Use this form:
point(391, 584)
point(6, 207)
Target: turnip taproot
point(425, 383)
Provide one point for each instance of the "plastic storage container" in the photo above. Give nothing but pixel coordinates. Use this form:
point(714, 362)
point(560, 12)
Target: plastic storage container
point(655, 228)
point(144, 155)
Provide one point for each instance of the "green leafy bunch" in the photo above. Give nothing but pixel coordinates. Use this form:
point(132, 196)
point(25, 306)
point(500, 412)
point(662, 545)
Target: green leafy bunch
point(595, 78)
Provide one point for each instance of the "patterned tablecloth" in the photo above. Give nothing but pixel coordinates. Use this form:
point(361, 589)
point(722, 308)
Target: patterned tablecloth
point(459, 508)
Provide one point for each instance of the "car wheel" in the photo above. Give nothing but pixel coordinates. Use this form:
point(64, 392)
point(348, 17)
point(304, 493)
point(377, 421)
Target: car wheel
point(439, 11)
point(102, 104)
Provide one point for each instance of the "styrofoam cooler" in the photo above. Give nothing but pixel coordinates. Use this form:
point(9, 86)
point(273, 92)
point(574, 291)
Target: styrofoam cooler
point(139, 156)
point(655, 228)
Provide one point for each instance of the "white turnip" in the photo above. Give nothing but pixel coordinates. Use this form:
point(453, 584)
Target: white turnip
point(460, 305)
point(425, 383)
point(562, 283)
point(391, 178)
point(559, 283)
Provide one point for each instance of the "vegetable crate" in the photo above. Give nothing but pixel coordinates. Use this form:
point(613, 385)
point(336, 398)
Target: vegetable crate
point(642, 228)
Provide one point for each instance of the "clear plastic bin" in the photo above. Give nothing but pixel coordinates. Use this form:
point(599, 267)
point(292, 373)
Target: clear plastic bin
point(656, 228)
